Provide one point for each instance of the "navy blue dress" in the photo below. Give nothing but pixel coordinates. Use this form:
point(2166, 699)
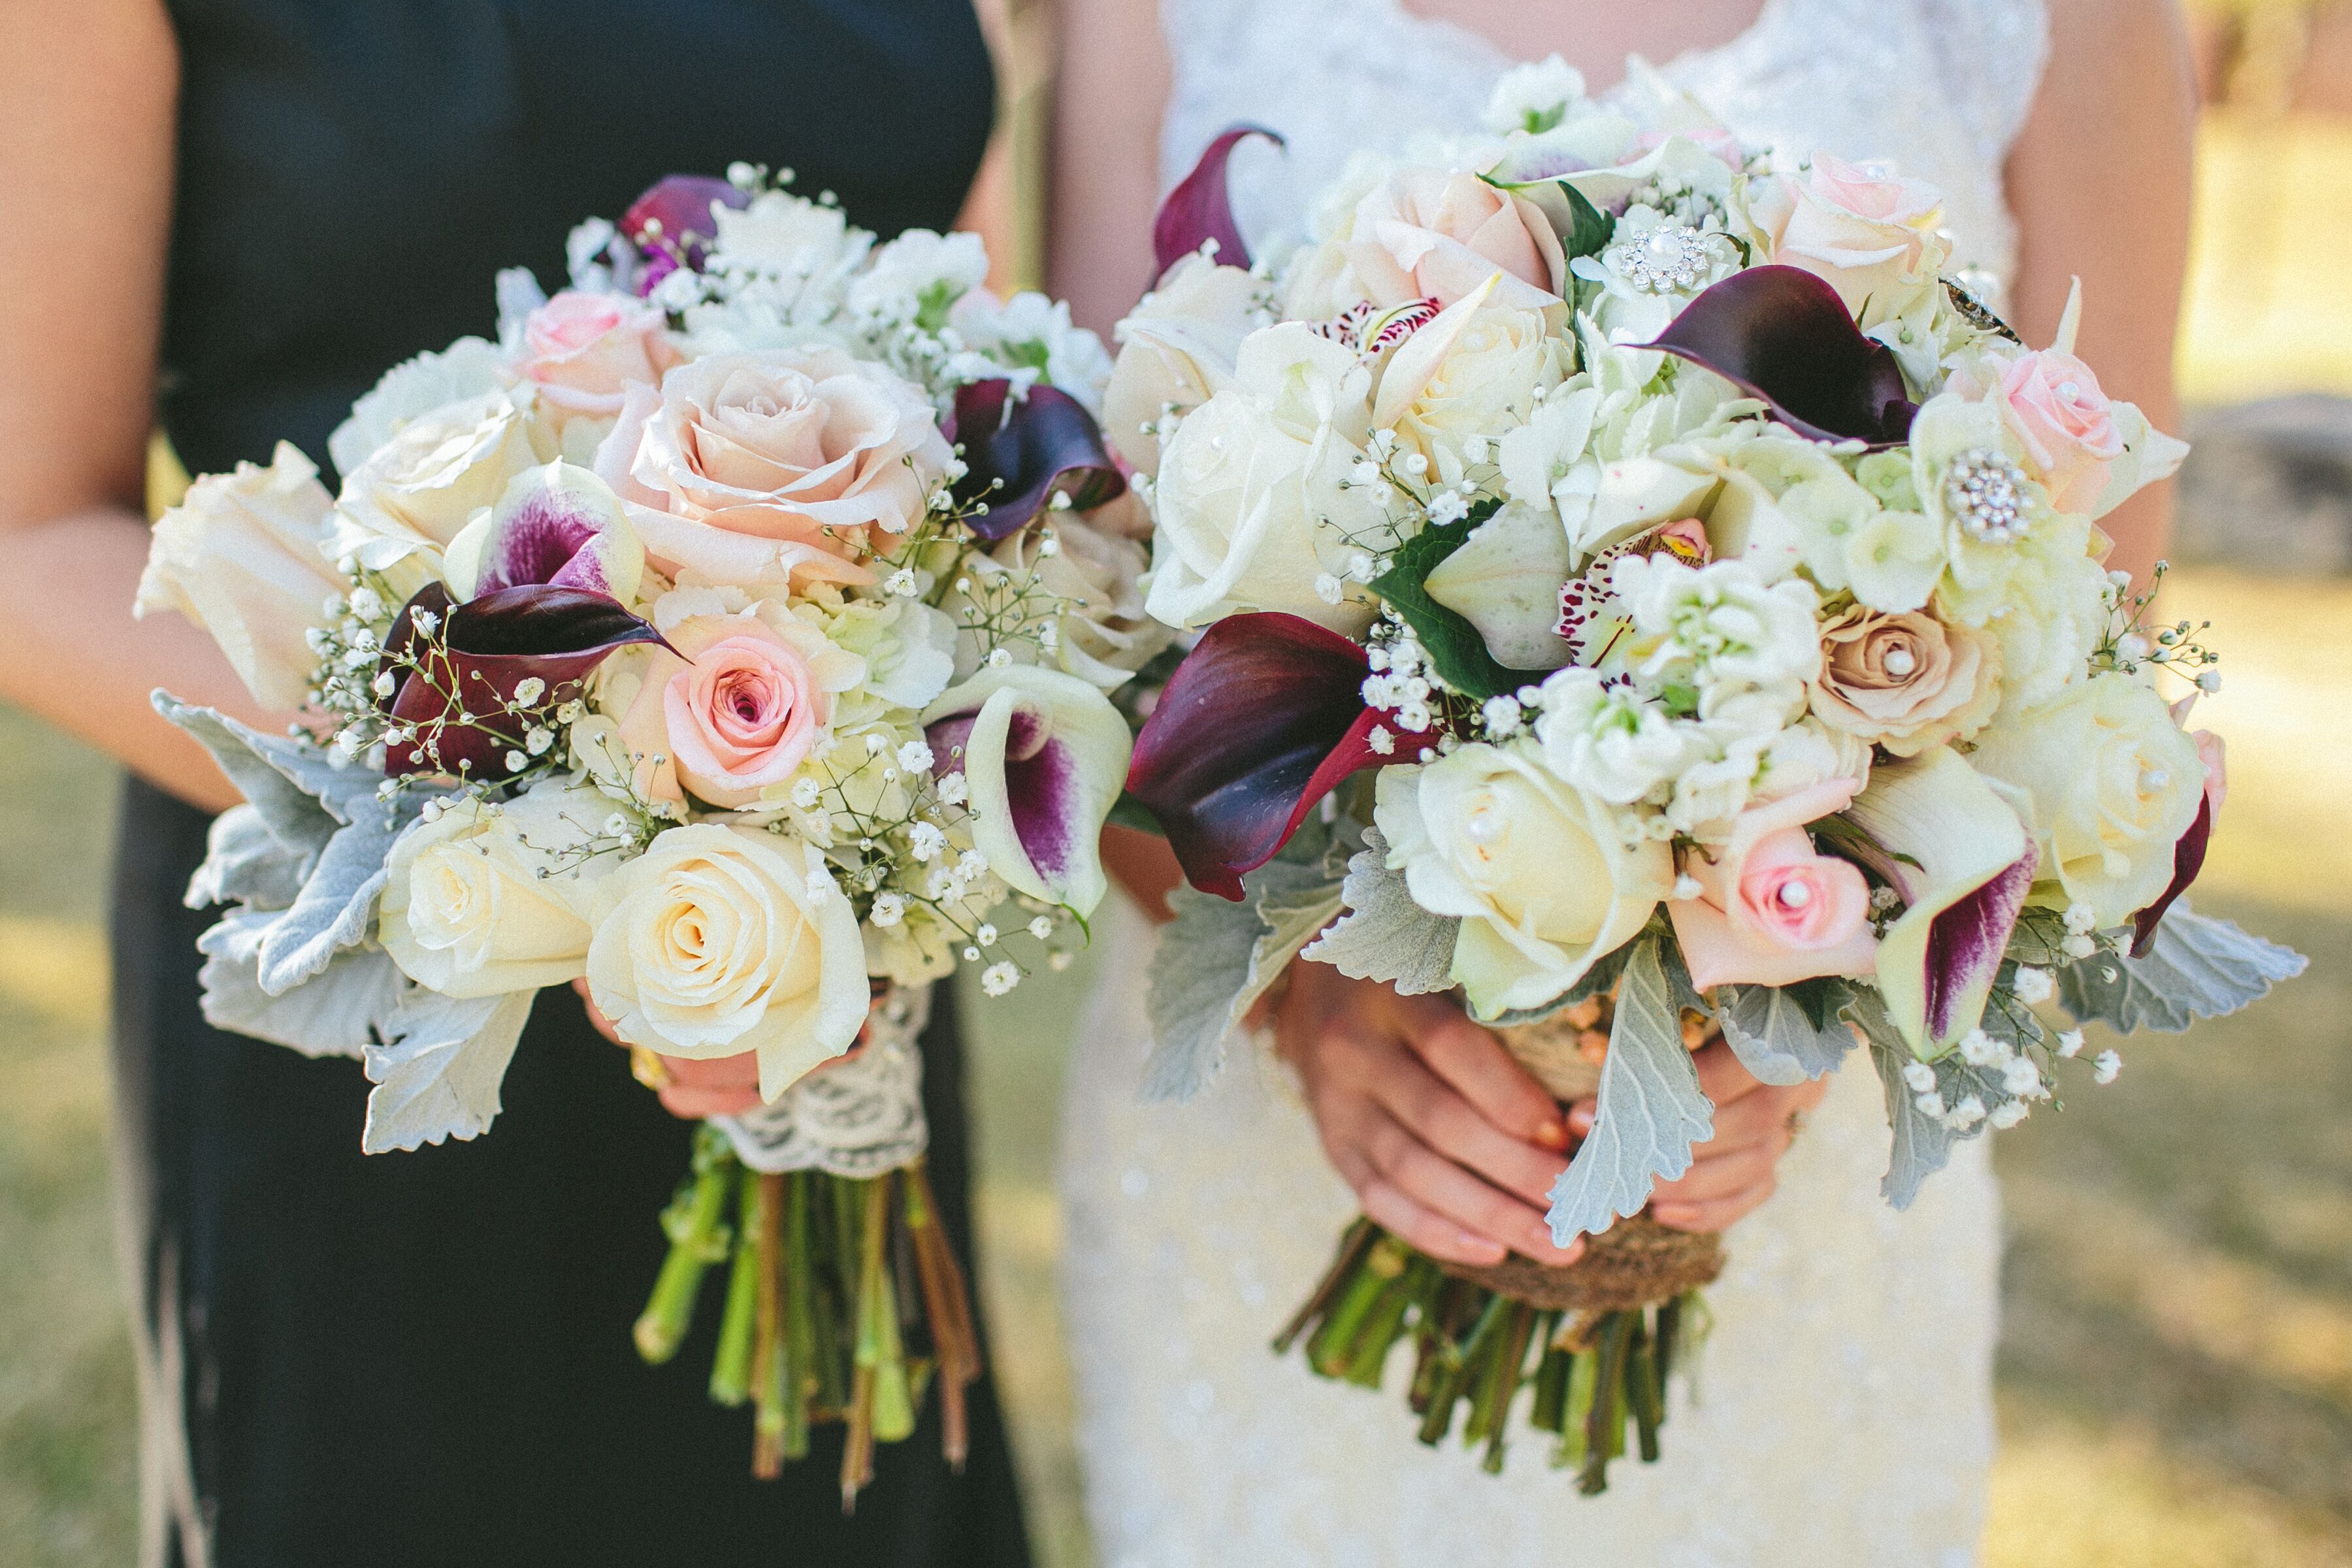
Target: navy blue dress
point(424, 1358)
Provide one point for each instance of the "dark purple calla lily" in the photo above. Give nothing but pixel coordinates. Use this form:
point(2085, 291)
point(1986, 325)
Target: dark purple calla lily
point(1018, 452)
point(477, 659)
point(671, 226)
point(1782, 334)
point(1201, 208)
point(2188, 860)
point(1262, 721)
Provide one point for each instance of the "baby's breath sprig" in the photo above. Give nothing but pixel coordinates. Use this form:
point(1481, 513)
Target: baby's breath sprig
point(2131, 644)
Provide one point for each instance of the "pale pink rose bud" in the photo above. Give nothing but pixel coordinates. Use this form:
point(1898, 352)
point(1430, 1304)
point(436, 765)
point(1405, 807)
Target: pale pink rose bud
point(739, 719)
point(2053, 401)
point(584, 350)
point(1796, 897)
point(1427, 234)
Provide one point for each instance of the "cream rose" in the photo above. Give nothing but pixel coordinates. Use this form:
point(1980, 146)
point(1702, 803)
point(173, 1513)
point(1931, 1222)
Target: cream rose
point(1459, 379)
point(719, 941)
point(584, 350)
point(762, 468)
point(1868, 231)
point(1251, 508)
point(1432, 234)
point(2113, 784)
point(1905, 681)
point(1540, 875)
point(1176, 348)
point(401, 507)
point(240, 557)
point(484, 899)
point(738, 705)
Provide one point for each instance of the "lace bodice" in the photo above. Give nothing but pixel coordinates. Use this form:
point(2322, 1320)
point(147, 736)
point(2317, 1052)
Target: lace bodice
point(1846, 1418)
point(1938, 87)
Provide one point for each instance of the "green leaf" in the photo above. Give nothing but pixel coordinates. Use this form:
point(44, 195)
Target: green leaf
point(1651, 1108)
point(2198, 968)
point(1590, 228)
point(1456, 650)
point(438, 1072)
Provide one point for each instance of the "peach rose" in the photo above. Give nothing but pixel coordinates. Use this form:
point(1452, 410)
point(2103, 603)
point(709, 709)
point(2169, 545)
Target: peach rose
point(1771, 910)
point(584, 350)
point(1904, 681)
point(1866, 230)
point(1426, 234)
point(735, 709)
point(760, 468)
point(2055, 404)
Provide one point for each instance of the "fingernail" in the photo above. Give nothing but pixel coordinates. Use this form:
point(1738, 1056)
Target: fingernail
point(1579, 1118)
point(1487, 1250)
point(1552, 1135)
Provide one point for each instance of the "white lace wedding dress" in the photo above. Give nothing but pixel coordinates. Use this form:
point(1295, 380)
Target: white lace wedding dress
point(1842, 1415)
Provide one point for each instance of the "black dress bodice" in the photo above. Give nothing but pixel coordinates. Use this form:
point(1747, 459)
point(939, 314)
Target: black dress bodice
point(424, 1358)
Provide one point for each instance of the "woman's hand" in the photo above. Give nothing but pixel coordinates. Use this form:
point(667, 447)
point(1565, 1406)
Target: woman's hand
point(1447, 1141)
point(1733, 1172)
point(691, 1090)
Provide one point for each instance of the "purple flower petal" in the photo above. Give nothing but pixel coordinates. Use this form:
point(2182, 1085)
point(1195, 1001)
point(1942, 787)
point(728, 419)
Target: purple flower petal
point(1782, 334)
point(477, 659)
point(671, 224)
point(1018, 452)
point(2188, 860)
point(1201, 208)
point(1262, 719)
point(1965, 944)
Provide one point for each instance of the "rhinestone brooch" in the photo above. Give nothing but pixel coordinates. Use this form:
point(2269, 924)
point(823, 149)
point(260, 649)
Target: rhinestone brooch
point(1984, 493)
point(1670, 260)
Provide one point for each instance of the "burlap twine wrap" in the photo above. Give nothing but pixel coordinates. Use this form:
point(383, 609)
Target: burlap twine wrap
point(1636, 1262)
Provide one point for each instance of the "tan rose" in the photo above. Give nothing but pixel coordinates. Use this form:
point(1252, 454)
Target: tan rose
point(1428, 234)
point(1176, 348)
point(1905, 681)
point(757, 469)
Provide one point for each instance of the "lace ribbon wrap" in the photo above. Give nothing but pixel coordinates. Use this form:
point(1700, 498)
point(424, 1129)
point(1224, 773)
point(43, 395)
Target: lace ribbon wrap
point(857, 1118)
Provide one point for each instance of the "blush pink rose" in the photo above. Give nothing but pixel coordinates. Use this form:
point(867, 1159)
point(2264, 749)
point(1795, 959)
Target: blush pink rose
point(768, 467)
point(584, 350)
point(739, 712)
point(1426, 234)
point(1863, 228)
point(1771, 910)
point(2067, 425)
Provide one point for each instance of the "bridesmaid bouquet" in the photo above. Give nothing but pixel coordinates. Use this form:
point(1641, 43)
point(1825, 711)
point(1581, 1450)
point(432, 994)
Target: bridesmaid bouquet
point(1711, 588)
point(738, 633)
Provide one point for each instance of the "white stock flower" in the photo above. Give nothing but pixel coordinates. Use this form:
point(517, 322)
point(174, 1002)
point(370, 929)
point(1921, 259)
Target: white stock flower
point(1534, 96)
point(1537, 871)
point(1609, 739)
point(714, 942)
point(484, 899)
point(919, 276)
point(780, 235)
point(1721, 629)
point(1036, 333)
point(240, 557)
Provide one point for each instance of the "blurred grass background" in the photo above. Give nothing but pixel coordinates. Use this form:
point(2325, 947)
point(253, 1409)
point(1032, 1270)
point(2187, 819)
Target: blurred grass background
point(2175, 1372)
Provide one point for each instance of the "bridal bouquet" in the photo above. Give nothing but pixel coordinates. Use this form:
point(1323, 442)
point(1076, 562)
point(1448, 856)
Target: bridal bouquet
point(736, 633)
point(1711, 588)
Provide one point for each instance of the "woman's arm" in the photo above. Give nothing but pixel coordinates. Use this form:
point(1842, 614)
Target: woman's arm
point(2100, 183)
point(1112, 75)
point(85, 157)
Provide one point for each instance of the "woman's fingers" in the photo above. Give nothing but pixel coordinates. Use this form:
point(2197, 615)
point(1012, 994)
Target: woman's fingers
point(1724, 1178)
point(1436, 1182)
point(1721, 1214)
point(1475, 1064)
point(693, 1103)
point(1452, 1126)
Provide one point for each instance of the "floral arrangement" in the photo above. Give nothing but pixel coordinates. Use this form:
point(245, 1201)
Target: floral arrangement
point(736, 633)
point(1711, 587)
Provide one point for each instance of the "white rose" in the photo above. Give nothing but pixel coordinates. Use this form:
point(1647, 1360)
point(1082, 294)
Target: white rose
point(719, 940)
point(240, 557)
point(1176, 348)
point(401, 507)
point(1252, 509)
point(485, 899)
point(1535, 871)
point(2112, 783)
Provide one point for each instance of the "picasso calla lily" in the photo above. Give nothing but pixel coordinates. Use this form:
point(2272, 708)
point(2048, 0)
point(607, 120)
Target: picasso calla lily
point(1961, 860)
point(1201, 209)
point(558, 524)
point(1019, 451)
point(1261, 721)
point(1043, 755)
point(1782, 334)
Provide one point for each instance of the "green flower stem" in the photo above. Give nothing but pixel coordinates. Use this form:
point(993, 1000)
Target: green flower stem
point(731, 1369)
point(698, 1239)
point(1352, 1246)
point(1554, 1366)
point(1368, 1355)
point(1641, 1392)
point(797, 1294)
point(1455, 1382)
point(1507, 1378)
point(894, 1400)
point(1327, 1350)
point(1604, 1427)
point(768, 1371)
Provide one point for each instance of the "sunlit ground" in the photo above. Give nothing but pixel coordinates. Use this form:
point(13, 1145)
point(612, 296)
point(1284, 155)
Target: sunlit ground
point(2176, 1380)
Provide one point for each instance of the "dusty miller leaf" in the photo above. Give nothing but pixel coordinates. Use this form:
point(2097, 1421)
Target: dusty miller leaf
point(2199, 968)
point(438, 1074)
point(1776, 1037)
point(1385, 935)
point(1594, 981)
point(1651, 1108)
point(339, 1011)
point(246, 863)
point(1921, 1145)
point(336, 908)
